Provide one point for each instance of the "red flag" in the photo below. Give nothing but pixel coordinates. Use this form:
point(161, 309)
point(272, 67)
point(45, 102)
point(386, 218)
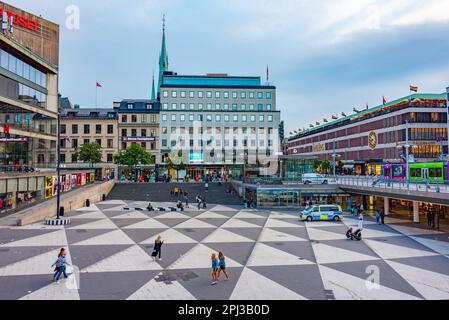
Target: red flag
point(414, 88)
point(367, 106)
point(384, 101)
point(99, 85)
point(6, 129)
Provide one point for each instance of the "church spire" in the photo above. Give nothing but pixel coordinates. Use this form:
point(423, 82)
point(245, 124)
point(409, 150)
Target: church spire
point(153, 92)
point(163, 57)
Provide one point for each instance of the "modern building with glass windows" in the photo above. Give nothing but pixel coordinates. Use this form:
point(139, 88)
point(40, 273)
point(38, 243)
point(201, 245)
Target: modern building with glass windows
point(29, 57)
point(371, 137)
point(216, 123)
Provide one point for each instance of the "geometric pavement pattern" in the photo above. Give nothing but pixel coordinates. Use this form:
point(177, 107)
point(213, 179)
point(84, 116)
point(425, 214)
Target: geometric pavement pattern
point(269, 255)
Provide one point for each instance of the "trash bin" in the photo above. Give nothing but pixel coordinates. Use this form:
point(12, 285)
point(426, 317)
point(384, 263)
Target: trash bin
point(87, 203)
point(61, 211)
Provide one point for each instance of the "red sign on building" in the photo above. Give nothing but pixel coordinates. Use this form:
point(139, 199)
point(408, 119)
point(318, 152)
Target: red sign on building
point(20, 20)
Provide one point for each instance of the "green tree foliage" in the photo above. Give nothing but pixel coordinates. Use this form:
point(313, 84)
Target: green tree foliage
point(134, 155)
point(90, 152)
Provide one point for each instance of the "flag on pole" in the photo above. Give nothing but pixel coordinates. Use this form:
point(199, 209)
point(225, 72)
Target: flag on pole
point(67, 138)
point(367, 106)
point(384, 101)
point(414, 88)
point(268, 74)
point(99, 85)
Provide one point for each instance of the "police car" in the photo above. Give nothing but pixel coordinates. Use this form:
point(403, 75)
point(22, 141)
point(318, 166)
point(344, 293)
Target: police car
point(322, 212)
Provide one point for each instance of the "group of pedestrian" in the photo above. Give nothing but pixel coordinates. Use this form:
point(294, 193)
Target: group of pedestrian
point(201, 202)
point(433, 219)
point(380, 216)
point(218, 265)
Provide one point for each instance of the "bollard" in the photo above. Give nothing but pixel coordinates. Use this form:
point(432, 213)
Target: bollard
point(103, 197)
point(87, 203)
point(61, 211)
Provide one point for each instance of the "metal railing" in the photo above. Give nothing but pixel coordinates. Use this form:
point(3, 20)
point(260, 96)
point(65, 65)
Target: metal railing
point(433, 186)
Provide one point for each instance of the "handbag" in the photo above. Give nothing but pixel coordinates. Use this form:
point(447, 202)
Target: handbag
point(154, 253)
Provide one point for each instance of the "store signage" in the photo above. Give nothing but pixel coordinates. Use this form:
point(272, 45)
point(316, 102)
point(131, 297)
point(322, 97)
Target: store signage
point(372, 140)
point(13, 139)
point(17, 19)
point(138, 139)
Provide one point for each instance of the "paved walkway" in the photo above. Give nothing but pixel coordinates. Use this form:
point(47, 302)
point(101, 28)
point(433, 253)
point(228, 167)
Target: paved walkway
point(270, 255)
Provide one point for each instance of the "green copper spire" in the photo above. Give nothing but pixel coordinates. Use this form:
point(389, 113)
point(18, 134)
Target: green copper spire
point(163, 58)
point(153, 93)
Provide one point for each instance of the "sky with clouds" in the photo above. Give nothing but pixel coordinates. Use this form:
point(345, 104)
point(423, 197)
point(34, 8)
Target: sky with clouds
point(325, 56)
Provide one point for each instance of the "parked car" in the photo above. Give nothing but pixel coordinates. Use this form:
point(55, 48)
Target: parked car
point(309, 178)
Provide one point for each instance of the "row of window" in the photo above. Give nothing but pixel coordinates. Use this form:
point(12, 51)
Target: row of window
point(428, 134)
point(218, 130)
point(22, 69)
point(143, 132)
point(218, 143)
point(148, 106)
point(151, 145)
point(74, 143)
point(218, 117)
point(143, 118)
point(217, 106)
point(74, 158)
point(28, 94)
point(98, 129)
point(217, 94)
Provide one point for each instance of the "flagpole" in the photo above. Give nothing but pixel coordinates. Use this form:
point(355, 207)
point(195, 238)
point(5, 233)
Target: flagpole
point(96, 96)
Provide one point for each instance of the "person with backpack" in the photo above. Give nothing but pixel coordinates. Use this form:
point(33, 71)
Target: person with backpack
point(157, 248)
point(60, 266)
point(222, 265)
point(215, 265)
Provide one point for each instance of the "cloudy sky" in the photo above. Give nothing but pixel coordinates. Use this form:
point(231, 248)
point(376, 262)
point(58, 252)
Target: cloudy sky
point(325, 56)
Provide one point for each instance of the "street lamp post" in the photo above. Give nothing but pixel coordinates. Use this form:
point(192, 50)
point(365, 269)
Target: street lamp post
point(407, 150)
point(58, 166)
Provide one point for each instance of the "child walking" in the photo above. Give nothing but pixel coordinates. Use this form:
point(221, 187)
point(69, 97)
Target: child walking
point(215, 264)
point(222, 265)
point(60, 265)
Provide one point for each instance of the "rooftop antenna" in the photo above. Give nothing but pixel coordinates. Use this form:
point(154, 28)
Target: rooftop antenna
point(163, 22)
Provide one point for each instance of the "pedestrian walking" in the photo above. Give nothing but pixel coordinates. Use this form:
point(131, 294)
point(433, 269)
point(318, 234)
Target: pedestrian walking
point(437, 219)
point(360, 224)
point(215, 265)
point(157, 248)
point(382, 216)
point(206, 186)
point(60, 266)
point(186, 198)
point(362, 208)
point(222, 265)
point(198, 201)
point(176, 190)
point(377, 216)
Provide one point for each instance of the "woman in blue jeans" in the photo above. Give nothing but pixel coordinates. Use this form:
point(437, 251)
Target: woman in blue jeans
point(60, 265)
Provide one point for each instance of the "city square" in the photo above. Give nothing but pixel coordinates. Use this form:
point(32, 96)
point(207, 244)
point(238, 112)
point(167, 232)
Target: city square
point(205, 151)
point(271, 255)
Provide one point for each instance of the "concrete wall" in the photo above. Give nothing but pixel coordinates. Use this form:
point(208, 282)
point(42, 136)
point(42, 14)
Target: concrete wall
point(70, 201)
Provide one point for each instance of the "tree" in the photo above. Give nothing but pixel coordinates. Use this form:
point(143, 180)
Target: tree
point(281, 131)
point(325, 165)
point(133, 156)
point(90, 152)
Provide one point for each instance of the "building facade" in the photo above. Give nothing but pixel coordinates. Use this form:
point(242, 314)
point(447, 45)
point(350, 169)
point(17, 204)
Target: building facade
point(138, 122)
point(29, 57)
point(365, 140)
point(217, 123)
point(84, 126)
point(29, 54)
